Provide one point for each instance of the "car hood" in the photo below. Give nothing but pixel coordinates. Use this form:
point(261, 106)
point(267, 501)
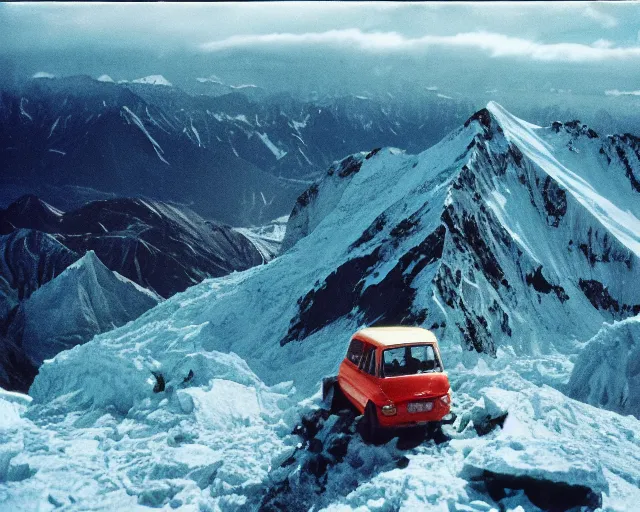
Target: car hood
point(415, 387)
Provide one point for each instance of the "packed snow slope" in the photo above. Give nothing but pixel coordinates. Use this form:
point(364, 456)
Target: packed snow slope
point(508, 240)
point(207, 443)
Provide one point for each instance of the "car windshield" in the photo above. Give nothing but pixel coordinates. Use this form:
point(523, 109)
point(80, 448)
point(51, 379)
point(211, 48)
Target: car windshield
point(410, 360)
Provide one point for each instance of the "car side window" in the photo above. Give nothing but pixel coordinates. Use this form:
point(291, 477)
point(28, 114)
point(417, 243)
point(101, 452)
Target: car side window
point(371, 367)
point(364, 361)
point(429, 361)
point(368, 361)
point(354, 354)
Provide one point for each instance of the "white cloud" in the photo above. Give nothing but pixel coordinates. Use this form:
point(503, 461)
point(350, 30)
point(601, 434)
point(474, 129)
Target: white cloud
point(606, 20)
point(616, 92)
point(43, 74)
point(352, 36)
point(603, 43)
point(496, 45)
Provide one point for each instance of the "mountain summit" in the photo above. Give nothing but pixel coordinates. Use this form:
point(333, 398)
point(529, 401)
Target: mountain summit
point(503, 233)
point(153, 80)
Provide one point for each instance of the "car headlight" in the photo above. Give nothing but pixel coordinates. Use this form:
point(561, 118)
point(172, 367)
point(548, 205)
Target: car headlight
point(389, 410)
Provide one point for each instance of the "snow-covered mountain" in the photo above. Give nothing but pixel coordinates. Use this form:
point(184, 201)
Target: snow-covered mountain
point(214, 86)
point(153, 80)
point(520, 222)
point(514, 243)
point(84, 300)
point(105, 78)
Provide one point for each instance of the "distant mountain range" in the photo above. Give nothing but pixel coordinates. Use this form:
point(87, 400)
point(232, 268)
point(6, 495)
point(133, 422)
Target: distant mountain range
point(159, 246)
point(229, 157)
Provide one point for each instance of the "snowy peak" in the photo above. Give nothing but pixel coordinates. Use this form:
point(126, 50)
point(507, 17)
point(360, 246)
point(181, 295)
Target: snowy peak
point(604, 195)
point(105, 78)
point(90, 273)
point(213, 79)
point(93, 272)
point(89, 264)
point(43, 74)
point(213, 85)
point(84, 300)
point(153, 80)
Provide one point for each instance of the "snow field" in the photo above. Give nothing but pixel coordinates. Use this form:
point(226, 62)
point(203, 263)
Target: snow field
point(209, 445)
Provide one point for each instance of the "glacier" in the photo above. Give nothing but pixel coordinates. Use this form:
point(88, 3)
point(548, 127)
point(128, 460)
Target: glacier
point(493, 238)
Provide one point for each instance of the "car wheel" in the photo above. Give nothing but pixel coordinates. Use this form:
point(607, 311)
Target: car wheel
point(371, 430)
point(339, 402)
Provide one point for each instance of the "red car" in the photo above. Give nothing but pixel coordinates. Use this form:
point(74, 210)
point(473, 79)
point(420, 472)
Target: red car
point(394, 376)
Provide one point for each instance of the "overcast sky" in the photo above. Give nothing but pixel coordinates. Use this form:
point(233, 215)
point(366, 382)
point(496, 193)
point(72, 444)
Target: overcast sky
point(586, 47)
